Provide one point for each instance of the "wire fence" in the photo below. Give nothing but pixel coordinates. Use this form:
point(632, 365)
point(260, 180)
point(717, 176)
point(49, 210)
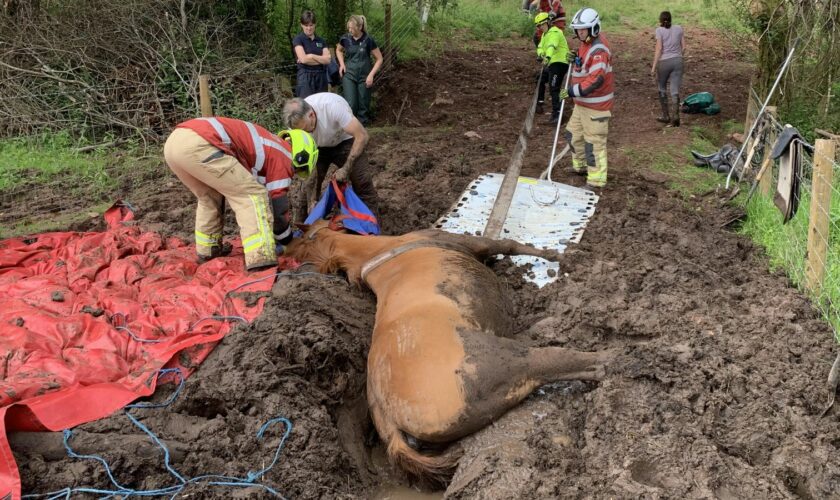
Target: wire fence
point(795, 213)
point(82, 178)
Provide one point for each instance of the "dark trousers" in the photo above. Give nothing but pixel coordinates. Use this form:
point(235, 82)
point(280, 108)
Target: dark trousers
point(310, 82)
point(361, 175)
point(556, 75)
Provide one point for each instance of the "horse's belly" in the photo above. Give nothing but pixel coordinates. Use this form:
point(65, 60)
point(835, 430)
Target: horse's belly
point(415, 373)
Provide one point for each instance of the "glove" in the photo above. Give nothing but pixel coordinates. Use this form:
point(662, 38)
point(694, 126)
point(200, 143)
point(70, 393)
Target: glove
point(342, 174)
point(564, 93)
point(572, 57)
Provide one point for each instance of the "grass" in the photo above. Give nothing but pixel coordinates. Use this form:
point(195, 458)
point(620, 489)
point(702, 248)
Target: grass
point(786, 246)
point(621, 15)
point(49, 157)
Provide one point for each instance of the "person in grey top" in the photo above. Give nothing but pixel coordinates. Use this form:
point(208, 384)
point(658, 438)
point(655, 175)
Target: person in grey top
point(668, 66)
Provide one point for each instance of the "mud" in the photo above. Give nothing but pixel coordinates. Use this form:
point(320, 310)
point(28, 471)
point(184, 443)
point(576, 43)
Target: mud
point(717, 391)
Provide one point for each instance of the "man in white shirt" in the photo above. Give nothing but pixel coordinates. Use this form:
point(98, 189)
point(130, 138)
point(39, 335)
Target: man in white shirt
point(341, 140)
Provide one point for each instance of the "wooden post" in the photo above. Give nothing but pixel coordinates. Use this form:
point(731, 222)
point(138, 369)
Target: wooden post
point(818, 225)
point(204, 95)
point(389, 49)
point(750, 115)
point(766, 181)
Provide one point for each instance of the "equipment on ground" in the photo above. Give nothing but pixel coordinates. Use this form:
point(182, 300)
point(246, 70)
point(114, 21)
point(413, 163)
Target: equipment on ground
point(764, 106)
point(701, 102)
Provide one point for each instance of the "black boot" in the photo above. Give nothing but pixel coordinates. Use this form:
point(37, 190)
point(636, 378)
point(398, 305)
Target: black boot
point(663, 103)
point(675, 110)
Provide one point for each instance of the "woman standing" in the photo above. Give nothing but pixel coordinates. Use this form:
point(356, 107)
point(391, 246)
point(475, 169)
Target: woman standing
point(354, 53)
point(312, 57)
point(668, 66)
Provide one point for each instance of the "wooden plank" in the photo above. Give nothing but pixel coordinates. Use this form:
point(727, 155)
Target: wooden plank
point(493, 229)
point(204, 95)
point(819, 222)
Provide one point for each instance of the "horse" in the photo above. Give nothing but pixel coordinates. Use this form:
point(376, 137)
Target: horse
point(441, 364)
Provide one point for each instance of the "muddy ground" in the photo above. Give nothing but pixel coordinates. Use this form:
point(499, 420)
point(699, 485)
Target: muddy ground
point(717, 392)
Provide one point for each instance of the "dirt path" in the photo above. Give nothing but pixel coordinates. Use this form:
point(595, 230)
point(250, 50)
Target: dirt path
point(717, 392)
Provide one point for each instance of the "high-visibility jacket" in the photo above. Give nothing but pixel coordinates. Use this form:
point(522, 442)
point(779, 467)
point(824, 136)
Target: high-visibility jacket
point(556, 7)
point(592, 83)
point(267, 157)
point(553, 46)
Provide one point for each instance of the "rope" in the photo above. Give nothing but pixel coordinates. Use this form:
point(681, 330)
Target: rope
point(210, 479)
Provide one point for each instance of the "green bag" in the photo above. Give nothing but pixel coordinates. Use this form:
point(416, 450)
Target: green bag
point(712, 109)
point(698, 103)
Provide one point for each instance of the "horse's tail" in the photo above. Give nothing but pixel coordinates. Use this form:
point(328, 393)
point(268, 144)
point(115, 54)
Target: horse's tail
point(436, 469)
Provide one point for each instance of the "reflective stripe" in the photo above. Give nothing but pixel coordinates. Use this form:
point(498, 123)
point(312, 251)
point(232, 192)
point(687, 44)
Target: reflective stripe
point(595, 100)
point(276, 145)
point(604, 66)
point(258, 149)
point(207, 240)
point(284, 234)
point(252, 243)
point(220, 130)
point(282, 183)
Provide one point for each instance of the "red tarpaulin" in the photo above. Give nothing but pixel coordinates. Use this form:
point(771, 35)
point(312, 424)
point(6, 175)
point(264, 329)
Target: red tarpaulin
point(88, 319)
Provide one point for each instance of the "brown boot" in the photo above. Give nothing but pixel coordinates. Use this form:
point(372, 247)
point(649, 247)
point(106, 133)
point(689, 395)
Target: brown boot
point(675, 110)
point(663, 103)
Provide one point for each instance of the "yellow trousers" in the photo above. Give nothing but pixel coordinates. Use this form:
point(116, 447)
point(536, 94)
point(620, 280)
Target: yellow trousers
point(214, 177)
point(589, 125)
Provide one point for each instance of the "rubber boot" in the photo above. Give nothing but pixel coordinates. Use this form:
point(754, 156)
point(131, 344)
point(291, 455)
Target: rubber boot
point(675, 111)
point(663, 103)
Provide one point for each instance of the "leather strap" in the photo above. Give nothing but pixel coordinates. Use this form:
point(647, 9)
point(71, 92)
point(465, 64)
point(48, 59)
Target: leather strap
point(412, 245)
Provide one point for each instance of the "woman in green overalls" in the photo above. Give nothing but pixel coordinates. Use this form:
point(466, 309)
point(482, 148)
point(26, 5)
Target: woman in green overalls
point(354, 53)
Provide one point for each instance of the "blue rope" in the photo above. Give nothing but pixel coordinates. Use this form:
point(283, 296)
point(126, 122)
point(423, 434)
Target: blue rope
point(175, 489)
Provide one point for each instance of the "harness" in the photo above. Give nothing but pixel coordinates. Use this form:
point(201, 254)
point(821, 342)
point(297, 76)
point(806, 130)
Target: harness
point(412, 245)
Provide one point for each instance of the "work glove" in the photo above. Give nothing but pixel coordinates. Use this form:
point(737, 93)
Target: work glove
point(564, 93)
point(342, 174)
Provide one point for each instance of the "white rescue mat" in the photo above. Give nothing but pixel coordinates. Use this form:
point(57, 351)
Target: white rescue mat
point(543, 214)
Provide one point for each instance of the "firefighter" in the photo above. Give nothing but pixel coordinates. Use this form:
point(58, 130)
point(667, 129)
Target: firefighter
point(222, 159)
point(591, 87)
point(554, 52)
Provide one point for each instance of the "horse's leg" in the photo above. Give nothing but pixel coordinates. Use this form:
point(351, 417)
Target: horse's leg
point(482, 247)
point(499, 373)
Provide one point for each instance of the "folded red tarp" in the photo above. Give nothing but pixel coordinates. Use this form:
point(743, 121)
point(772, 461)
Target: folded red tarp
point(88, 319)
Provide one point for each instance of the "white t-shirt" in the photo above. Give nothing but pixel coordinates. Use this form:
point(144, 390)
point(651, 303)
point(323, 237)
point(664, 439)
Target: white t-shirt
point(333, 114)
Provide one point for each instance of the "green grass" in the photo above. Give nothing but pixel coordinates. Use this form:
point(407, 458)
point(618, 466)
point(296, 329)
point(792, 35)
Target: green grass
point(621, 15)
point(786, 246)
point(48, 158)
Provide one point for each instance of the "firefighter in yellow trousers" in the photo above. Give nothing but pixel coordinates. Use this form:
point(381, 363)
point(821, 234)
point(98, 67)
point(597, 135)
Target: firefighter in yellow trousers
point(222, 159)
point(591, 87)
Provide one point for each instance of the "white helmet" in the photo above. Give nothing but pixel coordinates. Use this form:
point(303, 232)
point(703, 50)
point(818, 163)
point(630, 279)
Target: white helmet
point(587, 18)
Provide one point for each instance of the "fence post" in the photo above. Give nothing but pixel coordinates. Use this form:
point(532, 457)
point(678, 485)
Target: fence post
point(389, 50)
point(766, 182)
point(204, 95)
point(818, 225)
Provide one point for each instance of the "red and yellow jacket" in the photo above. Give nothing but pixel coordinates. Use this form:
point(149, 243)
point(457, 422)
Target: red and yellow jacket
point(267, 157)
point(592, 83)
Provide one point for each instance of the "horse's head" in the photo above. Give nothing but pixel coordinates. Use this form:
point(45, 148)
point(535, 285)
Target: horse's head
point(316, 247)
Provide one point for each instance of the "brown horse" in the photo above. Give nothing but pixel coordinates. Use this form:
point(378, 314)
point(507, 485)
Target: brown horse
point(440, 365)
